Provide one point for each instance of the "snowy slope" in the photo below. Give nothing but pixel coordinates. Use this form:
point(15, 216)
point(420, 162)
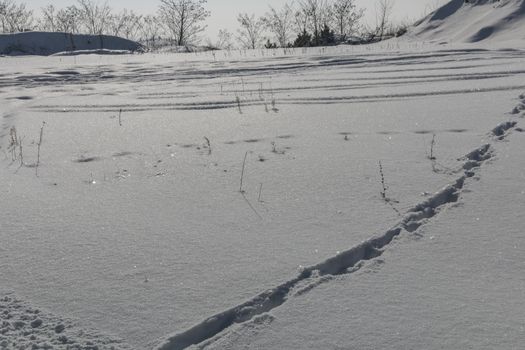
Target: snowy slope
point(474, 21)
point(136, 225)
point(43, 43)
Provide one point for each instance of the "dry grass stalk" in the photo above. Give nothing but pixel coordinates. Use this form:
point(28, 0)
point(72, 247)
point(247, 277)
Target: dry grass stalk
point(242, 172)
point(39, 145)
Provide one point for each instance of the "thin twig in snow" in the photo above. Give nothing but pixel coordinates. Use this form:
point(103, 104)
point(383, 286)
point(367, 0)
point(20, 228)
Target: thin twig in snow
point(39, 145)
point(238, 100)
point(432, 145)
point(260, 193)
point(242, 172)
point(208, 145)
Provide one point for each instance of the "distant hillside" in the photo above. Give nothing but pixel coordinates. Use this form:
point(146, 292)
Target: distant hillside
point(43, 43)
point(474, 21)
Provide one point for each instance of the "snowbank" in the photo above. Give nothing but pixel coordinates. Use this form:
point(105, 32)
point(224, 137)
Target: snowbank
point(43, 43)
point(474, 21)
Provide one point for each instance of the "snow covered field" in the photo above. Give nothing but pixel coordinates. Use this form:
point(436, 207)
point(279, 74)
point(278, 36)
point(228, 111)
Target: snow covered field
point(137, 226)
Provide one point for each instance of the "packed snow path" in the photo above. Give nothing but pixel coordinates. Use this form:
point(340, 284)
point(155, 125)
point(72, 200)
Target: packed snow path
point(136, 224)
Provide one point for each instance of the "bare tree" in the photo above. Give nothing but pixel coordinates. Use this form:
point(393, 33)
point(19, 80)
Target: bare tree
point(318, 14)
point(346, 16)
point(149, 29)
point(280, 23)
point(95, 17)
point(300, 21)
point(21, 18)
point(48, 21)
point(250, 33)
point(125, 24)
point(224, 40)
point(65, 20)
point(132, 28)
point(383, 13)
point(117, 22)
point(68, 20)
point(183, 19)
point(4, 8)
point(15, 18)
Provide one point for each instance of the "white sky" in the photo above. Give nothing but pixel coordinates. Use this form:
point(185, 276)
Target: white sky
point(224, 12)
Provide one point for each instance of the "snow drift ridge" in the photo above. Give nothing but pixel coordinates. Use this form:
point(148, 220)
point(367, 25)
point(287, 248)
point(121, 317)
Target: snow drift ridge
point(474, 21)
point(44, 43)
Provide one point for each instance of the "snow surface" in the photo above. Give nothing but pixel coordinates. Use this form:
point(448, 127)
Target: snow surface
point(492, 21)
point(137, 224)
point(45, 43)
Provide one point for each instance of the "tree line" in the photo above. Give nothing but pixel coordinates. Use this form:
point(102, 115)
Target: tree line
point(182, 22)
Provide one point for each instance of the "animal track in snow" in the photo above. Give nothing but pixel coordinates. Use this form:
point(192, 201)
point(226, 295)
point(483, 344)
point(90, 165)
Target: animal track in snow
point(500, 131)
point(346, 262)
point(87, 159)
